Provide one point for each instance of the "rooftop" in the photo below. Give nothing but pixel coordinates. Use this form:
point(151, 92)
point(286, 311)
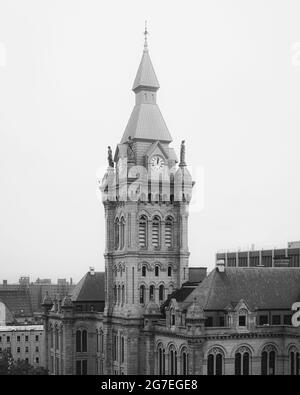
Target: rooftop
point(21, 328)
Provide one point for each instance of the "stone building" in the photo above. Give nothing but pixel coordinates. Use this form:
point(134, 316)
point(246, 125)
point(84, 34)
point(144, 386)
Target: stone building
point(25, 342)
point(150, 313)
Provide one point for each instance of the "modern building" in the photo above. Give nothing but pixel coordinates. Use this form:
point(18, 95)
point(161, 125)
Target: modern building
point(281, 257)
point(24, 342)
point(149, 313)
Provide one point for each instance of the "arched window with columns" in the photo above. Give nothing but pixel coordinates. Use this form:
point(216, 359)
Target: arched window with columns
point(184, 359)
point(81, 340)
point(242, 361)
point(215, 362)
point(294, 361)
point(161, 360)
point(172, 360)
point(268, 360)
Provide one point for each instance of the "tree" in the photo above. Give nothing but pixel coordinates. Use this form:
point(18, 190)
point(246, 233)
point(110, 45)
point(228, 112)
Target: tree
point(18, 368)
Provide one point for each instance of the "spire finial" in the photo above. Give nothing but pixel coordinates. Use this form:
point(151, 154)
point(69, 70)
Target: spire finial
point(146, 34)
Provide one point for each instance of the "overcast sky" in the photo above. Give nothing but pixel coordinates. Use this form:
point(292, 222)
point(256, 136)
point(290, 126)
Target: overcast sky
point(230, 76)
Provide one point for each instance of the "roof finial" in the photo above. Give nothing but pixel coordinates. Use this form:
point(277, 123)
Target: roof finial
point(146, 34)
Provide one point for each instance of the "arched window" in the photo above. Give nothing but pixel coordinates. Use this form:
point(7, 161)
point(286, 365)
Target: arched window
point(78, 341)
point(115, 294)
point(97, 338)
point(242, 361)
point(268, 361)
point(156, 232)
point(151, 292)
point(143, 232)
point(161, 360)
point(122, 349)
point(122, 236)
point(101, 340)
point(172, 360)
point(123, 294)
point(215, 361)
point(169, 271)
point(173, 317)
point(117, 233)
point(61, 339)
point(56, 339)
point(161, 293)
point(156, 271)
point(51, 330)
point(84, 340)
point(81, 340)
point(119, 294)
point(142, 294)
point(169, 232)
point(184, 361)
point(294, 357)
point(144, 271)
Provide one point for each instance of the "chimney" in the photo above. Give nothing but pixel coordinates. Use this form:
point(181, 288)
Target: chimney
point(4, 282)
point(92, 271)
point(220, 265)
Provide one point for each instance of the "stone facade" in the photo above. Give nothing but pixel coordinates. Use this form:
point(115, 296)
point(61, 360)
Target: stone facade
point(25, 342)
point(157, 318)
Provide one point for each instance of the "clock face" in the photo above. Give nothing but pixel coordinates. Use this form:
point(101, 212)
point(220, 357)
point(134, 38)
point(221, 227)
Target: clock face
point(157, 163)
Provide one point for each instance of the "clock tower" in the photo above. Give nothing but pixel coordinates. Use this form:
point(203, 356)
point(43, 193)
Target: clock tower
point(146, 193)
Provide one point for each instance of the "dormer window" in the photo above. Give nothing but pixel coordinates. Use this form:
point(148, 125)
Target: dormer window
point(242, 320)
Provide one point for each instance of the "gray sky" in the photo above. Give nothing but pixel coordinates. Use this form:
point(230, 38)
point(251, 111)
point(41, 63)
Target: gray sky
point(229, 73)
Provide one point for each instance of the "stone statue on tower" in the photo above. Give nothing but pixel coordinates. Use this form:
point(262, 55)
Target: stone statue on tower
point(110, 158)
point(182, 154)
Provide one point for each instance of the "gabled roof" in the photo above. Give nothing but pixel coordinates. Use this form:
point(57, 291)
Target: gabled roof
point(145, 76)
point(90, 288)
point(260, 288)
point(146, 122)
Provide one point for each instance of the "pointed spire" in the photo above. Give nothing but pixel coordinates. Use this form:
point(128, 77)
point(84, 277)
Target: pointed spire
point(146, 34)
point(146, 77)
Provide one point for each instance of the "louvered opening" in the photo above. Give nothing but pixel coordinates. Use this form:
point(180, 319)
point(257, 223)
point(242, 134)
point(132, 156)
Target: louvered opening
point(155, 233)
point(168, 234)
point(142, 233)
